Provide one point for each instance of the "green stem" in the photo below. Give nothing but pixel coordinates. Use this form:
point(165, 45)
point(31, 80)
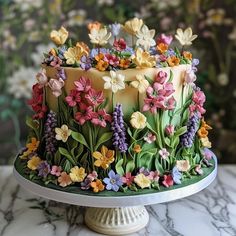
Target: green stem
point(161, 130)
point(138, 101)
point(158, 139)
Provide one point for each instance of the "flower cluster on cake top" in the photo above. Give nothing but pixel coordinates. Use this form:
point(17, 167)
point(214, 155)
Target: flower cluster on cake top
point(116, 46)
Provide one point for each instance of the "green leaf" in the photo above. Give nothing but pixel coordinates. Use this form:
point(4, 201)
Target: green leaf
point(171, 76)
point(130, 166)
point(180, 131)
point(158, 166)
point(119, 168)
point(79, 152)
point(33, 124)
point(57, 158)
point(67, 166)
point(150, 128)
point(105, 137)
point(80, 138)
point(150, 81)
point(65, 153)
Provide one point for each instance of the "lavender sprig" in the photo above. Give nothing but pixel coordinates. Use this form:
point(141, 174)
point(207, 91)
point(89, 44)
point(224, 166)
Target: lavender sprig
point(119, 135)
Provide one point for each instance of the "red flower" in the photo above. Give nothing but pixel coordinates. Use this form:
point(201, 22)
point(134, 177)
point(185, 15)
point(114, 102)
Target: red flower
point(128, 179)
point(111, 59)
point(94, 98)
point(167, 181)
point(100, 118)
point(119, 44)
point(84, 114)
point(153, 104)
point(73, 98)
point(83, 84)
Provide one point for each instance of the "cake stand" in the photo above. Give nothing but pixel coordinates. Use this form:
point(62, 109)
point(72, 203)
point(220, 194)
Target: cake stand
point(116, 215)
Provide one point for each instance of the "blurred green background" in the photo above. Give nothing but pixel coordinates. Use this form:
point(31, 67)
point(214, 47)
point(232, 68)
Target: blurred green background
point(24, 36)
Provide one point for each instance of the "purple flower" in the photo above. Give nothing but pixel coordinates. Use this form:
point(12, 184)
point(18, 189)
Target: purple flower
point(61, 51)
point(144, 171)
point(44, 169)
point(170, 52)
point(61, 73)
point(94, 51)
point(86, 184)
point(176, 175)
point(85, 63)
point(49, 132)
point(113, 182)
point(195, 62)
point(115, 29)
point(207, 154)
point(117, 125)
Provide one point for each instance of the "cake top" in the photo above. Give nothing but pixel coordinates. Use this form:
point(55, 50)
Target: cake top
point(117, 46)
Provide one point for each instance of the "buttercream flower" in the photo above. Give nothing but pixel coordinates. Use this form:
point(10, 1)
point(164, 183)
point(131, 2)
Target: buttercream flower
point(33, 145)
point(63, 133)
point(42, 78)
point(183, 165)
point(115, 82)
point(137, 148)
point(173, 61)
point(94, 25)
point(187, 55)
point(119, 44)
point(99, 36)
point(164, 153)
point(198, 169)
point(154, 176)
point(115, 29)
point(166, 39)
point(162, 47)
point(64, 180)
point(169, 129)
point(73, 98)
point(43, 169)
point(127, 179)
point(203, 131)
point(133, 26)
point(167, 181)
point(84, 114)
point(77, 174)
point(145, 38)
point(74, 54)
point(189, 77)
point(124, 63)
point(102, 65)
point(84, 47)
point(207, 154)
point(150, 138)
point(100, 118)
point(97, 186)
point(60, 36)
point(104, 158)
point(94, 98)
point(34, 162)
point(185, 37)
point(83, 84)
point(56, 170)
point(113, 182)
point(143, 59)
point(113, 60)
point(176, 175)
point(142, 181)
point(56, 85)
point(138, 120)
point(205, 142)
point(140, 83)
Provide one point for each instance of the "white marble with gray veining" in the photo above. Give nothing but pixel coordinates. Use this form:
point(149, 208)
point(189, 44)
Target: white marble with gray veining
point(211, 212)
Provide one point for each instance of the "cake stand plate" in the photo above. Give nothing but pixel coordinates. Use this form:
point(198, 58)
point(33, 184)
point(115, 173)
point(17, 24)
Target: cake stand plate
point(116, 215)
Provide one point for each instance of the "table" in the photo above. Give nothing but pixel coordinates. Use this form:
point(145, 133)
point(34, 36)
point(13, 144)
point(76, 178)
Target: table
point(211, 212)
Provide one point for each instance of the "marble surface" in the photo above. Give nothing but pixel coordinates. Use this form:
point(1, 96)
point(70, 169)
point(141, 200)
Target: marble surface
point(211, 212)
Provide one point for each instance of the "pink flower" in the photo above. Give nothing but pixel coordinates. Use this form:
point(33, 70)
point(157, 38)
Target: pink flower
point(166, 39)
point(170, 104)
point(169, 129)
point(196, 108)
point(56, 85)
point(164, 153)
point(168, 88)
point(189, 77)
point(42, 78)
point(84, 114)
point(207, 154)
point(56, 62)
point(100, 118)
point(92, 176)
point(161, 77)
point(152, 104)
point(199, 97)
point(167, 181)
point(119, 44)
point(154, 175)
point(127, 179)
point(111, 59)
point(199, 170)
point(56, 170)
point(73, 98)
point(83, 84)
point(150, 138)
point(94, 98)
point(162, 57)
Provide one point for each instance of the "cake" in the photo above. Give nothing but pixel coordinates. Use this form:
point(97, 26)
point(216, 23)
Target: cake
point(124, 115)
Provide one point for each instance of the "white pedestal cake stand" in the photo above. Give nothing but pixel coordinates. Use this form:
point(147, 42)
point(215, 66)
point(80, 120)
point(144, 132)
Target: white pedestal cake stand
point(116, 215)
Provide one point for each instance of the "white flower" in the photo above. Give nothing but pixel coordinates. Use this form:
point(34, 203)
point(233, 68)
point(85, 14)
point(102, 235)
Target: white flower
point(145, 38)
point(21, 82)
point(115, 82)
point(185, 37)
point(141, 84)
point(42, 78)
point(183, 165)
point(164, 153)
point(77, 17)
point(99, 36)
point(63, 133)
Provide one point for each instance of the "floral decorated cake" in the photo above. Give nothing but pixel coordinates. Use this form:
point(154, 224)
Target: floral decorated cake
point(123, 115)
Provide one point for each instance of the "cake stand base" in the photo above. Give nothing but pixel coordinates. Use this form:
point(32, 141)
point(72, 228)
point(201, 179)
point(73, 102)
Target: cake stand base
point(116, 221)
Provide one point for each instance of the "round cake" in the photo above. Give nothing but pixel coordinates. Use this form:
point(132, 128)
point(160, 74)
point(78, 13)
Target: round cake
point(124, 115)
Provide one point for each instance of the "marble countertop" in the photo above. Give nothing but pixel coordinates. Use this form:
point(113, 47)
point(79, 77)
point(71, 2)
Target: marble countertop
point(211, 212)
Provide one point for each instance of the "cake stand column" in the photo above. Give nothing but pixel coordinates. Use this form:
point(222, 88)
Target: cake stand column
point(116, 221)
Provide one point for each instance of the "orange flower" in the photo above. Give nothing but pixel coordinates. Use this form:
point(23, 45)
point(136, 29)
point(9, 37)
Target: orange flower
point(64, 179)
point(173, 61)
point(187, 55)
point(32, 147)
point(137, 148)
point(205, 125)
point(97, 186)
point(99, 57)
point(84, 47)
point(124, 63)
point(162, 47)
point(203, 131)
point(102, 65)
point(104, 158)
point(94, 25)
point(53, 52)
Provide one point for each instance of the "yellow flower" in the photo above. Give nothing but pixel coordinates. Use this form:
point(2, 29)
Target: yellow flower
point(34, 162)
point(142, 181)
point(162, 47)
point(173, 61)
point(187, 55)
point(183, 165)
point(63, 133)
point(137, 148)
point(141, 84)
point(104, 158)
point(143, 59)
point(133, 26)
point(60, 36)
point(32, 147)
point(77, 174)
point(185, 37)
point(205, 142)
point(97, 186)
point(74, 54)
point(84, 47)
point(99, 36)
point(102, 65)
point(138, 120)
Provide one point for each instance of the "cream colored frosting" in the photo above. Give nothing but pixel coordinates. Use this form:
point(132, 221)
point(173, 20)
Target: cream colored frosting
point(127, 97)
